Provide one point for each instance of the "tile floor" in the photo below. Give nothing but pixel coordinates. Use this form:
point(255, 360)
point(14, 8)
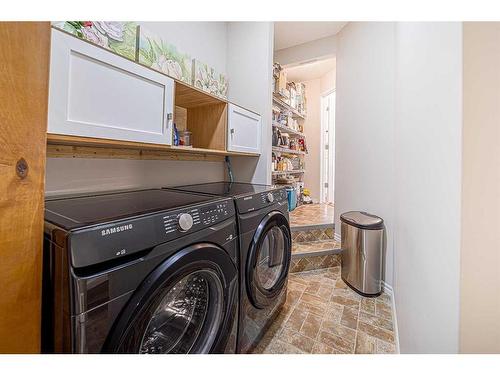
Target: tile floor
point(312, 214)
point(322, 315)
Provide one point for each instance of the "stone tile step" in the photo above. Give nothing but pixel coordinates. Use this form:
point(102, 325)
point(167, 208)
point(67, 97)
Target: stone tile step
point(310, 226)
point(310, 233)
point(313, 262)
point(315, 248)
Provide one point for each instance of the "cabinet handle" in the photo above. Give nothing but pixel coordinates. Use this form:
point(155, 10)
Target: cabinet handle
point(232, 131)
point(170, 117)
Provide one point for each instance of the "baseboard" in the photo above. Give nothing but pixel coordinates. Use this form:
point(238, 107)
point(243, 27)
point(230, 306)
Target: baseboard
point(388, 288)
point(390, 291)
point(336, 237)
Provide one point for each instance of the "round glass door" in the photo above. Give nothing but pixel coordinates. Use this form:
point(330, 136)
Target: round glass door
point(184, 316)
point(269, 259)
point(187, 317)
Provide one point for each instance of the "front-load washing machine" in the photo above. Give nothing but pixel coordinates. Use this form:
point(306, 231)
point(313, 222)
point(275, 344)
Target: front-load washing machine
point(150, 271)
point(264, 253)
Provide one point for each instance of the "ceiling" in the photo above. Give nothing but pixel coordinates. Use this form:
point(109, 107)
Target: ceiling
point(309, 71)
point(289, 34)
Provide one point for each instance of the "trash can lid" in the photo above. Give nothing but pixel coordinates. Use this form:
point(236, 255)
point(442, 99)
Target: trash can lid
point(363, 220)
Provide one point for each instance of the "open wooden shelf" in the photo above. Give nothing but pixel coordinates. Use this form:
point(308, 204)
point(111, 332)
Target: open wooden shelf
point(203, 114)
point(67, 146)
point(188, 96)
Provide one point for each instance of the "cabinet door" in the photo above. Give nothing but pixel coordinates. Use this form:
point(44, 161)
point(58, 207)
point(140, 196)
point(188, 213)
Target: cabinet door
point(244, 130)
point(95, 93)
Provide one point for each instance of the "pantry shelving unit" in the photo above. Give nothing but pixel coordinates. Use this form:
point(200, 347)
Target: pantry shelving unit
point(279, 105)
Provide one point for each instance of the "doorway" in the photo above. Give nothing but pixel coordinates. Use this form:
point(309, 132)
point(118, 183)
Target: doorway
point(327, 158)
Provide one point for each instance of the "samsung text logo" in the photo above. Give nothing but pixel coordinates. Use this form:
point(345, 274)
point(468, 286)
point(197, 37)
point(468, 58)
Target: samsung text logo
point(121, 228)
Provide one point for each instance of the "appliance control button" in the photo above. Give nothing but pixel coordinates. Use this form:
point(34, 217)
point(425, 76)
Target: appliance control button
point(185, 222)
point(270, 197)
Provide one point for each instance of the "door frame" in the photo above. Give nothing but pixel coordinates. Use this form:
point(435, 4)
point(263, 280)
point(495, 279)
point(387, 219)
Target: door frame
point(331, 150)
point(24, 82)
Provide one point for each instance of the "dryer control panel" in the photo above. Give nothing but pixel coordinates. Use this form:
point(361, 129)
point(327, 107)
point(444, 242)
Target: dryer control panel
point(257, 201)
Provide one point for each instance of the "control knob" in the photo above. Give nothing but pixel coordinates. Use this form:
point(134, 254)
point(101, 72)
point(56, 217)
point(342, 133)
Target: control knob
point(270, 197)
point(185, 222)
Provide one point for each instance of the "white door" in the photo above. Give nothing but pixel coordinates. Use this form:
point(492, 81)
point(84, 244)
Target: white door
point(244, 130)
point(327, 147)
point(95, 93)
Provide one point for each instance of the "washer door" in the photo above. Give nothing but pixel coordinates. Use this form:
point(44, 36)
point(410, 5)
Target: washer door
point(268, 260)
point(187, 305)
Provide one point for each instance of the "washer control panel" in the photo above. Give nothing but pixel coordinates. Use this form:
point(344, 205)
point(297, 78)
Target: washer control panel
point(192, 219)
point(213, 214)
point(125, 237)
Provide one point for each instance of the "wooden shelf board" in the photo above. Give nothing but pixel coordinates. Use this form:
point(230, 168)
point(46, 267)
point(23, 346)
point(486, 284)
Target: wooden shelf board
point(67, 146)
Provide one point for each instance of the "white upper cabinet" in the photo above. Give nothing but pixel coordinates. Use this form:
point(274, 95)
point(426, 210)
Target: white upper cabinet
point(244, 130)
point(95, 93)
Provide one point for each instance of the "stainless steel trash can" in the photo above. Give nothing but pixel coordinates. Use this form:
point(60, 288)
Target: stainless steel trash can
point(363, 248)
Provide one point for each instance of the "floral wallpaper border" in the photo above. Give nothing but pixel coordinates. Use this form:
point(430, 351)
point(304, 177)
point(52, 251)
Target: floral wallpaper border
point(164, 57)
point(119, 37)
point(207, 79)
point(135, 42)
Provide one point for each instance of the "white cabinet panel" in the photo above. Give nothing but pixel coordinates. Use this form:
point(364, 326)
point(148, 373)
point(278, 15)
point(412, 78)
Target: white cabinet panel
point(244, 130)
point(95, 93)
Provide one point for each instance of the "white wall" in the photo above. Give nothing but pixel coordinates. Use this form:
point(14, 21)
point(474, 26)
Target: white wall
point(65, 176)
point(204, 40)
point(249, 67)
point(328, 82)
point(364, 126)
point(428, 185)
point(398, 155)
point(316, 49)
